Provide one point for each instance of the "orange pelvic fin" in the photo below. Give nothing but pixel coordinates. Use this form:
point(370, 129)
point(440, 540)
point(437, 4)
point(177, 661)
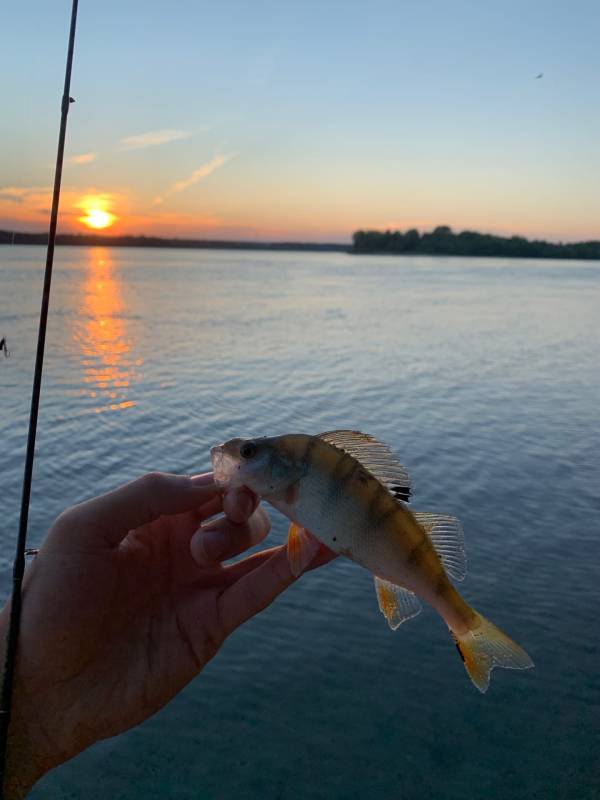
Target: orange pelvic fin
point(302, 547)
point(396, 603)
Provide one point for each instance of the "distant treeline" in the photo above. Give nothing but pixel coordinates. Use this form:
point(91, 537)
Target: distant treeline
point(443, 241)
point(101, 240)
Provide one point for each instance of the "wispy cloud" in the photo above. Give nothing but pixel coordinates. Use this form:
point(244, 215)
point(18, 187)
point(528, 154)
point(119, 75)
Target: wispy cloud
point(15, 194)
point(152, 139)
point(83, 158)
point(197, 175)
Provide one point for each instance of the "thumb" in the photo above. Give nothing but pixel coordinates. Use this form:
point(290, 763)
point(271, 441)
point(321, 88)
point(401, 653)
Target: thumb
point(107, 519)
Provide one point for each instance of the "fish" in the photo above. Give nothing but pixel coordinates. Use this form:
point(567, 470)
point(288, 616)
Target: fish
point(347, 490)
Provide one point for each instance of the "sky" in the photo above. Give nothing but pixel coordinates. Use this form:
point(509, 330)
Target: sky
point(305, 120)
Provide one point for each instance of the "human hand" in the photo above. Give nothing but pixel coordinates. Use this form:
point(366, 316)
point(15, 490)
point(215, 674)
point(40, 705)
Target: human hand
point(124, 604)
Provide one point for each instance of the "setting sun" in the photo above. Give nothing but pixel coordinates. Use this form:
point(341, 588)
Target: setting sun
point(96, 214)
point(96, 218)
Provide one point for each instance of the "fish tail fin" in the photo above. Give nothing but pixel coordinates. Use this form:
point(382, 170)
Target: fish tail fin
point(484, 647)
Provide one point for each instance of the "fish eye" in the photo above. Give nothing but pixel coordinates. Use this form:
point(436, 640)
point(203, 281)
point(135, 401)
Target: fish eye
point(248, 450)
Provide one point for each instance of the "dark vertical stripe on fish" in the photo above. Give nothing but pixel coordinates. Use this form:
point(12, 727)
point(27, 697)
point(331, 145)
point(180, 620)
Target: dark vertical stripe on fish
point(373, 504)
point(417, 551)
point(382, 506)
point(442, 585)
point(385, 514)
point(343, 470)
point(310, 446)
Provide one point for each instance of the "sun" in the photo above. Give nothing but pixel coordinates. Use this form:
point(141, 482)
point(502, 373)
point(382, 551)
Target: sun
point(96, 218)
point(96, 215)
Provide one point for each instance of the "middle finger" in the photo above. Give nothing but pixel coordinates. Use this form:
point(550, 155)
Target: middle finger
point(223, 539)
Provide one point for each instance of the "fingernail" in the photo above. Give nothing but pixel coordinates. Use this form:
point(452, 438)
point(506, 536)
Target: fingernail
point(204, 481)
point(214, 543)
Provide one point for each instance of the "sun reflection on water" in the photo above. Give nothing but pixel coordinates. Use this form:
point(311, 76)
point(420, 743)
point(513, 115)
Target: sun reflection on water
point(103, 335)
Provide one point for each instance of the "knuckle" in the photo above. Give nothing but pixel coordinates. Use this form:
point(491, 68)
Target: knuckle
point(155, 482)
point(65, 519)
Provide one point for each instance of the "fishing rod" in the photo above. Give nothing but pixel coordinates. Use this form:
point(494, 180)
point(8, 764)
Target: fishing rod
point(12, 637)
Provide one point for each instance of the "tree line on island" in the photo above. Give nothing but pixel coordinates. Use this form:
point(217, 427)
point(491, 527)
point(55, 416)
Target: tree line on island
point(443, 241)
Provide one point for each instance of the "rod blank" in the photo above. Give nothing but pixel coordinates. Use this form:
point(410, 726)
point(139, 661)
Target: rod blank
point(12, 637)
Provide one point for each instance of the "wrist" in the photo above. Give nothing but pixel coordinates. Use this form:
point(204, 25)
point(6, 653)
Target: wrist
point(20, 770)
point(26, 760)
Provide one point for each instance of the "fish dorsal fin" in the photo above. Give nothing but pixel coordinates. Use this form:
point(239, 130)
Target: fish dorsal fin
point(374, 456)
point(396, 603)
point(447, 537)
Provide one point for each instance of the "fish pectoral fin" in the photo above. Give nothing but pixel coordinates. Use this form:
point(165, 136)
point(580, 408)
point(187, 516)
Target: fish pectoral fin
point(396, 603)
point(302, 547)
point(447, 537)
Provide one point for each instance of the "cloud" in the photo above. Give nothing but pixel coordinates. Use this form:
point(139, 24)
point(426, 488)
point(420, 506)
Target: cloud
point(25, 203)
point(152, 139)
point(83, 158)
point(197, 175)
point(14, 194)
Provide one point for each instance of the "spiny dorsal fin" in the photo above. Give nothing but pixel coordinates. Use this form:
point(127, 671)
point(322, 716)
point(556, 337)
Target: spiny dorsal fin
point(396, 603)
point(447, 537)
point(375, 456)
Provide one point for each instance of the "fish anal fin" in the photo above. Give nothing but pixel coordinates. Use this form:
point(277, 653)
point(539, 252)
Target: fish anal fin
point(448, 539)
point(396, 603)
point(302, 547)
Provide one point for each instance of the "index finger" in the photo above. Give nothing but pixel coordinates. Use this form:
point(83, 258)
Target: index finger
point(107, 519)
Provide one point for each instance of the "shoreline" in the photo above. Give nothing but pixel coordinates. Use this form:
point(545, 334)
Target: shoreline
point(428, 245)
point(90, 240)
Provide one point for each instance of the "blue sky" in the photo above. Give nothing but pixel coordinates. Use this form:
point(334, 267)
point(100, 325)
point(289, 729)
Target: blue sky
point(306, 120)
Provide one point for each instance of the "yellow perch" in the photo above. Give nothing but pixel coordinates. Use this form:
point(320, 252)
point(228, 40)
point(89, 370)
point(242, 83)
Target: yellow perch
point(350, 492)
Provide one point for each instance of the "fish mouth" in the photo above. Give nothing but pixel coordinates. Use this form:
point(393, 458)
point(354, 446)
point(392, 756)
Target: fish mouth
point(223, 465)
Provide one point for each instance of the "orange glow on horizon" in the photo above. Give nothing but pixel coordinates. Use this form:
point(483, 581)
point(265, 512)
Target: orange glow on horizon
point(130, 212)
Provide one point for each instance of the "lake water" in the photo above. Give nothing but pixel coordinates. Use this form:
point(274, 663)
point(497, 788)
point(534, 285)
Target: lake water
point(483, 375)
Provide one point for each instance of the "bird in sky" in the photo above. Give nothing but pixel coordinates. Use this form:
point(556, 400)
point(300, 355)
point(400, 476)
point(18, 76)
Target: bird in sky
point(541, 75)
